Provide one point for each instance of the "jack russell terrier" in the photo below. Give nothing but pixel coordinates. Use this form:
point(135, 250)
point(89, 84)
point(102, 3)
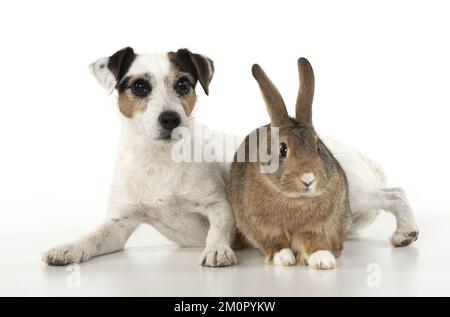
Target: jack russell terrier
point(186, 201)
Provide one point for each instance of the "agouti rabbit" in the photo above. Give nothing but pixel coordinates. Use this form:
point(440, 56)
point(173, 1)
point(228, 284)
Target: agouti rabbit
point(300, 212)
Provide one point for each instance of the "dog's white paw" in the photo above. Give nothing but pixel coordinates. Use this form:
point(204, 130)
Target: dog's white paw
point(402, 239)
point(65, 254)
point(218, 256)
point(284, 257)
point(322, 260)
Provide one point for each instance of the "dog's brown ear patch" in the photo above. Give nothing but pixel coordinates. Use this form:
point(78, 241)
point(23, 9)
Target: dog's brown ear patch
point(204, 68)
point(199, 66)
point(120, 62)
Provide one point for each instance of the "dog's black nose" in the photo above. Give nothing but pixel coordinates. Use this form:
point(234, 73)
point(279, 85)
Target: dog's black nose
point(169, 120)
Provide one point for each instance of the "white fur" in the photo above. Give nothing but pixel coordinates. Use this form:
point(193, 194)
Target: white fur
point(368, 194)
point(322, 260)
point(308, 177)
point(284, 257)
point(104, 77)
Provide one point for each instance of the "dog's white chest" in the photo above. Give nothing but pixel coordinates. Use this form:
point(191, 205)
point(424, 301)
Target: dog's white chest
point(147, 179)
point(157, 186)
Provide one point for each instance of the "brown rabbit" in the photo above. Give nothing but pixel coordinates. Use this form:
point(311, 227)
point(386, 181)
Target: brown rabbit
point(300, 212)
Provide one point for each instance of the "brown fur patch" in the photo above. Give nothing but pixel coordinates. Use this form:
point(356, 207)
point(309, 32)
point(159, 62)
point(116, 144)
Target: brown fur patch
point(129, 104)
point(188, 100)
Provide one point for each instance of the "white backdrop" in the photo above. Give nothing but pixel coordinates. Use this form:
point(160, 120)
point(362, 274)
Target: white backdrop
point(382, 85)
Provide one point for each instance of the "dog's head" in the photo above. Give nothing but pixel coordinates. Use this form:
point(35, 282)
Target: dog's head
point(156, 91)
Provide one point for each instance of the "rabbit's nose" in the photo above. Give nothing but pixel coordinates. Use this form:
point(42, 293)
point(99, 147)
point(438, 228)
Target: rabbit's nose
point(308, 179)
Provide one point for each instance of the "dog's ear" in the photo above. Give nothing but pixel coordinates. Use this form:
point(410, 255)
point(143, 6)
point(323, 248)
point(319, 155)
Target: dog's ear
point(110, 70)
point(199, 66)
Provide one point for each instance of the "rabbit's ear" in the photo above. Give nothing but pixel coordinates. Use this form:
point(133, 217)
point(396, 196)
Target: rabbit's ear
point(303, 111)
point(274, 102)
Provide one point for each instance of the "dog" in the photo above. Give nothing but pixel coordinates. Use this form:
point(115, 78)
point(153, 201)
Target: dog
point(186, 201)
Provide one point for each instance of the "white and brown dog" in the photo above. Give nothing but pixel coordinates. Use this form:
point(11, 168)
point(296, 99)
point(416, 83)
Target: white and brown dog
point(186, 201)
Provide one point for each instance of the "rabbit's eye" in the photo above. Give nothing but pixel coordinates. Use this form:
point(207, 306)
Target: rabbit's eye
point(283, 149)
point(318, 148)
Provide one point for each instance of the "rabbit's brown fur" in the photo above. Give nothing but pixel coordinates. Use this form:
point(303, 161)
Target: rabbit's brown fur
point(269, 211)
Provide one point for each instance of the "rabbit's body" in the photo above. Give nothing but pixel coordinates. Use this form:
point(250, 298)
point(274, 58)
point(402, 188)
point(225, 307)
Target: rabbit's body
point(272, 221)
point(300, 211)
point(321, 191)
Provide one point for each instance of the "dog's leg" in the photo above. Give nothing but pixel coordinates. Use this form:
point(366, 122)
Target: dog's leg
point(111, 236)
point(221, 230)
point(395, 201)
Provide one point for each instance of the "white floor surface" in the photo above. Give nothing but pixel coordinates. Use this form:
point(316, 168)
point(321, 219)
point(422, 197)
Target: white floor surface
point(152, 266)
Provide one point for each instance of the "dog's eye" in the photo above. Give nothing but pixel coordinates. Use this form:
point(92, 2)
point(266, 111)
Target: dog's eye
point(182, 86)
point(283, 149)
point(140, 88)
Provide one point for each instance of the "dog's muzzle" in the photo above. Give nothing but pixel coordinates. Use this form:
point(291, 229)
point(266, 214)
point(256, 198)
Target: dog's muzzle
point(168, 121)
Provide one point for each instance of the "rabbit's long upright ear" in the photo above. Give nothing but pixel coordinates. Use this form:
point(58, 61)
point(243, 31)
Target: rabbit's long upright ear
point(303, 108)
point(109, 70)
point(272, 97)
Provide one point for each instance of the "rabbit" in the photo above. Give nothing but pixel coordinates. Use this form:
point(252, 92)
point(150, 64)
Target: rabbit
point(300, 213)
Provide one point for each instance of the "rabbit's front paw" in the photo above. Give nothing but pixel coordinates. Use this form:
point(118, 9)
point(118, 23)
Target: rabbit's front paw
point(322, 260)
point(284, 257)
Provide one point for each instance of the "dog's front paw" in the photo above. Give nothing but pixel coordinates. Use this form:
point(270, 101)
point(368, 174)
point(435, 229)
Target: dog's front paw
point(284, 257)
point(218, 256)
point(322, 260)
point(66, 254)
point(402, 239)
